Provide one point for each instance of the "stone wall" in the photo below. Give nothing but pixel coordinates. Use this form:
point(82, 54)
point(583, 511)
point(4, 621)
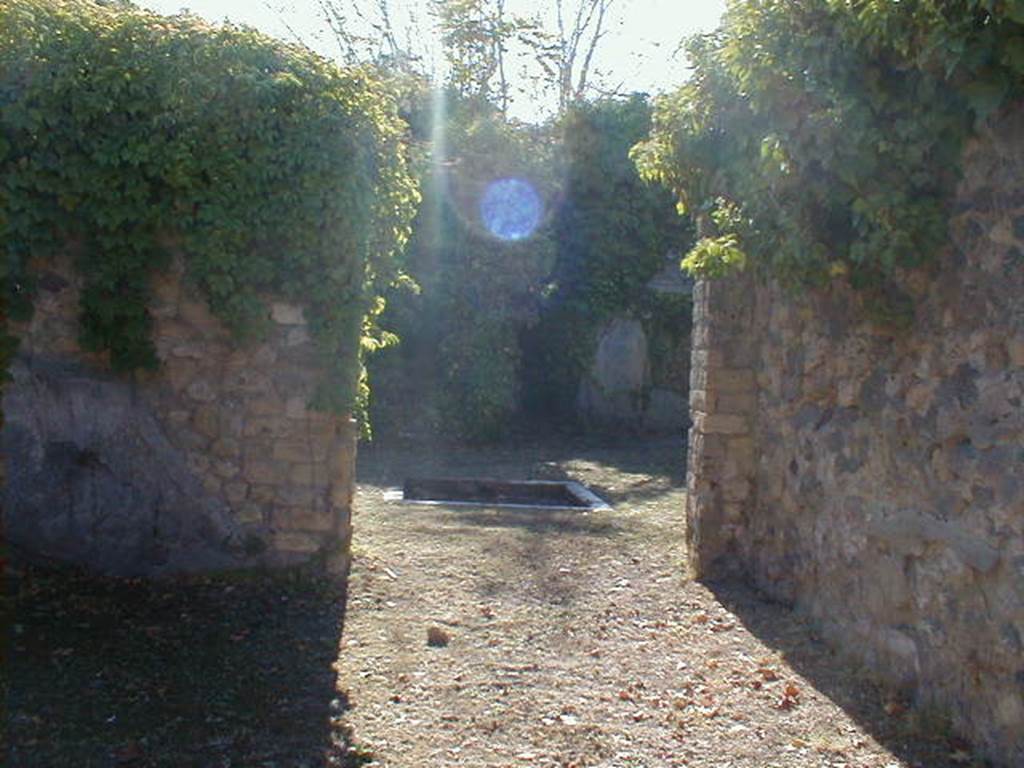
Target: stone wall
point(213, 461)
point(639, 375)
point(873, 478)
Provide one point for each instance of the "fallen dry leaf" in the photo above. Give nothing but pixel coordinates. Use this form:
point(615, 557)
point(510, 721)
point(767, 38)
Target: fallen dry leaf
point(437, 637)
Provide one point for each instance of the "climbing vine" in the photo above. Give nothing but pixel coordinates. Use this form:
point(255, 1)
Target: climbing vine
point(274, 171)
point(457, 369)
point(612, 232)
point(822, 138)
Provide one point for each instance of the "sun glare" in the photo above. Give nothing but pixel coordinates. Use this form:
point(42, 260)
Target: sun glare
point(511, 209)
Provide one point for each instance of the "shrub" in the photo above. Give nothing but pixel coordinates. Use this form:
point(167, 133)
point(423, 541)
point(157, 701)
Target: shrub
point(823, 139)
point(613, 232)
point(275, 171)
point(457, 370)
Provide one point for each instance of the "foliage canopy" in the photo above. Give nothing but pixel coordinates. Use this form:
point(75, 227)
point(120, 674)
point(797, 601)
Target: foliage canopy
point(612, 232)
point(823, 137)
point(272, 170)
point(459, 359)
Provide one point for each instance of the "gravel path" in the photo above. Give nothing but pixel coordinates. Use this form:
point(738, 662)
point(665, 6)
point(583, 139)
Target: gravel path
point(573, 639)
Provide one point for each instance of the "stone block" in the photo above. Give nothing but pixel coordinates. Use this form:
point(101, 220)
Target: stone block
point(1015, 351)
point(326, 426)
point(180, 374)
point(268, 426)
point(264, 355)
point(910, 532)
point(742, 450)
point(236, 492)
point(232, 420)
point(297, 542)
point(187, 439)
point(263, 494)
point(736, 489)
point(312, 448)
point(919, 396)
point(198, 463)
point(295, 407)
point(197, 313)
point(225, 469)
point(299, 496)
point(708, 359)
point(174, 331)
point(341, 494)
point(206, 420)
point(166, 289)
point(742, 403)
point(226, 448)
point(191, 349)
point(265, 406)
point(297, 337)
point(212, 485)
point(732, 380)
point(265, 471)
point(305, 519)
point(308, 474)
point(722, 424)
point(287, 314)
point(846, 393)
point(248, 381)
point(250, 514)
point(202, 391)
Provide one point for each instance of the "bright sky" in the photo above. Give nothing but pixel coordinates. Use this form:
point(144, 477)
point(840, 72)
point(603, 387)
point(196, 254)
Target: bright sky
point(640, 51)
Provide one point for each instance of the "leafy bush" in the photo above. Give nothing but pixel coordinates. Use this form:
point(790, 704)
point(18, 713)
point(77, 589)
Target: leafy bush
point(613, 232)
point(276, 172)
point(822, 139)
point(456, 370)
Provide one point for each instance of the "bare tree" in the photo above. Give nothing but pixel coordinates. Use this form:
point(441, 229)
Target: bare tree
point(492, 53)
point(579, 33)
point(367, 31)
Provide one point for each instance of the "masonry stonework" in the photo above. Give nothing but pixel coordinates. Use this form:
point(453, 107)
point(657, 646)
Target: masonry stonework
point(875, 478)
point(213, 461)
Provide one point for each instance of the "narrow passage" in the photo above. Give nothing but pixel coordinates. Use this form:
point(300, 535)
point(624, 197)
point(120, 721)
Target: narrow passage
point(574, 639)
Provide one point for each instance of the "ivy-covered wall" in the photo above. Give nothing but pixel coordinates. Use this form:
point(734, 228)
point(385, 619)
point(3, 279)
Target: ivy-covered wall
point(196, 225)
point(822, 140)
point(875, 478)
point(454, 375)
point(503, 333)
point(614, 235)
point(276, 171)
point(856, 387)
point(213, 461)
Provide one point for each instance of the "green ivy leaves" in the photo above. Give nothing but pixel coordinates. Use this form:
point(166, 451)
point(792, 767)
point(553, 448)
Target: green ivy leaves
point(832, 131)
point(275, 172)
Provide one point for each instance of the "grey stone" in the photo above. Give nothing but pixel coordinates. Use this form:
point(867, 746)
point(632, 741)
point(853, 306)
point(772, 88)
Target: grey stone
point(909, 532)
point(612, 392)
point(959, 387)
point(1018, 227)
point(93, 480)
point(287, 314)
point(620, 364)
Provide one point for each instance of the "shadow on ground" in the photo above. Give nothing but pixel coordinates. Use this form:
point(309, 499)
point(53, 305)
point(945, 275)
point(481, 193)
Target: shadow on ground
point(919, 738)
point(212, 672)
point(539, 521)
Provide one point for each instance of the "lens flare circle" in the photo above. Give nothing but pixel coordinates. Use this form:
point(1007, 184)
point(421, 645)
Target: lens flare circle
point(511, 209)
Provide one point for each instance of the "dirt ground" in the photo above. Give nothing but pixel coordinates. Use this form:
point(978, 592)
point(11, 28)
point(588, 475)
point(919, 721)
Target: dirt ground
point(573, 638)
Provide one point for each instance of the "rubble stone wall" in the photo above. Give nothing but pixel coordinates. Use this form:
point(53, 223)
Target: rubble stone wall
point(213, 461)
point(875, 478)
